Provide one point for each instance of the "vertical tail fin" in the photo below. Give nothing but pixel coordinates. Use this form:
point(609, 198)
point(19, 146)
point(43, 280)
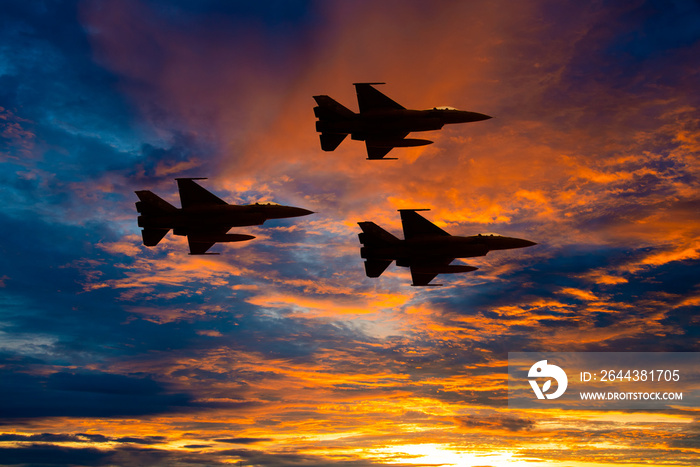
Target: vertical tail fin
point(328, 109)
point(373, 235)
point(151, 203)
point(370, 99)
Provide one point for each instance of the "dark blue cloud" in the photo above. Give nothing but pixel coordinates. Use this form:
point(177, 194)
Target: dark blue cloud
point(50, 77)
point(271, 14)
point(43, 455)
point(655, 28)
point(39, 455)
point(79, 438)
point(242, 440)
point(629, 40)
point(84, 394)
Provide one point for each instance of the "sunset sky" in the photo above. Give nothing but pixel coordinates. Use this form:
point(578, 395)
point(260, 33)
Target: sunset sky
point(280, 351)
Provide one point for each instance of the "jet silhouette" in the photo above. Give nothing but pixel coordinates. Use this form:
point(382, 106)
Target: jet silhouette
point(382, 123)
point(427, 249)
point(204, 218)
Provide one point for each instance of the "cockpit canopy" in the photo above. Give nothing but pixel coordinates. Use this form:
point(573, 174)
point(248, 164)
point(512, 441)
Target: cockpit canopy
point(444, 107)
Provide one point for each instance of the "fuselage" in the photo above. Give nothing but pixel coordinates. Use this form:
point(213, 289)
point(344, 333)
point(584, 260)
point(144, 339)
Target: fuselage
point(372, 124)
point(218, 216)
point(427, 247)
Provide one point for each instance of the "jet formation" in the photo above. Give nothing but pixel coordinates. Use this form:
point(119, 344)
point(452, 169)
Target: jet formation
point(204, 218)
point(426, 249)
point(382, 123)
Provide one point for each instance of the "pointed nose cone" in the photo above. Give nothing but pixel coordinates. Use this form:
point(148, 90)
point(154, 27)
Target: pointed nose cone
point(520, 243)
point(297, 212)
point(283, 212)
point(304, 212)
point(497, 242)
point(477, 117)
point(462, 116)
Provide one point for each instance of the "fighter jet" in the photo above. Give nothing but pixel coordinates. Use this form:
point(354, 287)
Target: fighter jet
point(382, 123)
point(427, 249)
point(204, 218)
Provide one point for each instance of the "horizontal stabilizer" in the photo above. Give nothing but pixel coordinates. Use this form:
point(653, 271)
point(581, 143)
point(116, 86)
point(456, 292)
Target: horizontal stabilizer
point(330, 141)
point(151, 237)
point(375, 267)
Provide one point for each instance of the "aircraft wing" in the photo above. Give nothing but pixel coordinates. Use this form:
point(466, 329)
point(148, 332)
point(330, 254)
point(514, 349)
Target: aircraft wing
point(425, 271)
point(192, 194)
point(378, 148)
point(198, 247)
point(422, 279)
point(376, 152)
point(370, 99)
point(415, 225)
point(200, 240)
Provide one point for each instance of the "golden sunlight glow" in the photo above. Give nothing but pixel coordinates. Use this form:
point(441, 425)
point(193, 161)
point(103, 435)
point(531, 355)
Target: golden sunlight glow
point(442, 454)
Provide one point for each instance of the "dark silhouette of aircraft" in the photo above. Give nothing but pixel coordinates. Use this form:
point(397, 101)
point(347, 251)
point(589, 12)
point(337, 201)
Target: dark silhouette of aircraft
point(427, 249)
point(204, 218)
point(382, 123)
